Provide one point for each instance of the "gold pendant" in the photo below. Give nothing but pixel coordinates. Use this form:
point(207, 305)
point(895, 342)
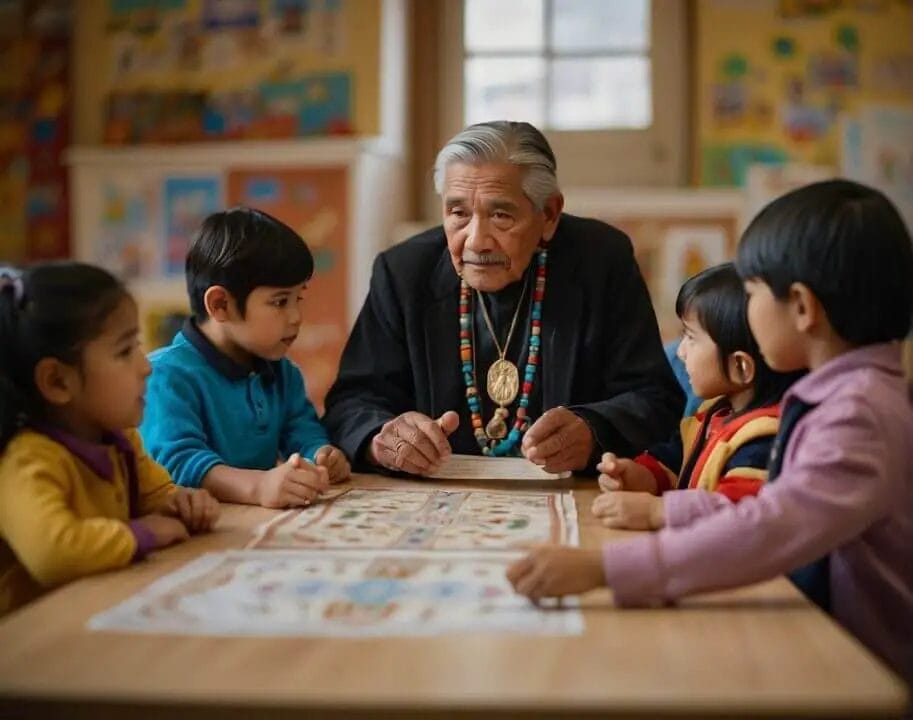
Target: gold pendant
point(503, 382)
point(497, 428)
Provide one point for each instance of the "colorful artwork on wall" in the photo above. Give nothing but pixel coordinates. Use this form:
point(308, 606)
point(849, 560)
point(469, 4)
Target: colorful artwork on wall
point(779, 93)
point(187, 202)
point(227, 69)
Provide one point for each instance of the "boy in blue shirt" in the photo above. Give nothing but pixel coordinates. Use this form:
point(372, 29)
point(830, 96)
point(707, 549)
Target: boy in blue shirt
point(227, 410)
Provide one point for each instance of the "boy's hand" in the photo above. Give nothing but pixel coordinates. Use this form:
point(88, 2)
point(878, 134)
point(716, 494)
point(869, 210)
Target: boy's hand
point(166, 530)
point(623, 474)
point(197, 509)
point(294, 483)
point(630, 510)
point(555, 570)
point(334, 460)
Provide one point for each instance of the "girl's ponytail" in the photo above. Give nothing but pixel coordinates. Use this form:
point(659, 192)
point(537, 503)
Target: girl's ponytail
point(12, 401)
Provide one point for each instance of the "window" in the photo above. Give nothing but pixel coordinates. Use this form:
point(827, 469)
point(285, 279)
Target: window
point(559, 64)
point(646, 147)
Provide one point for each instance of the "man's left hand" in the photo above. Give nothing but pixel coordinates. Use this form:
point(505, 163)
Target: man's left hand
point(559, 441)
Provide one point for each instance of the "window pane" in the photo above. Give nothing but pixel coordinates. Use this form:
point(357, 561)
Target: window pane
point(586, 25)
point(600, 93)
point(504, 89)
point(500, 25)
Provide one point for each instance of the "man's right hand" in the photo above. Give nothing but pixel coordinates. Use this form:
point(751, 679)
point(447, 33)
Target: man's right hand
point(294, 483)
point(413, 442)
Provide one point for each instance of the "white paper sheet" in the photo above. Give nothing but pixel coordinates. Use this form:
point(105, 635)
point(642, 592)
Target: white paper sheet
point(480, 467)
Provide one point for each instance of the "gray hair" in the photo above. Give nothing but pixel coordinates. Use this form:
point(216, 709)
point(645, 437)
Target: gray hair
point(518, 143)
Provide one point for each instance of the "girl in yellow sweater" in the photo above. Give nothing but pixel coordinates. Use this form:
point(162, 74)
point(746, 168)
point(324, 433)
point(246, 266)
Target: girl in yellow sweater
point(78, 494)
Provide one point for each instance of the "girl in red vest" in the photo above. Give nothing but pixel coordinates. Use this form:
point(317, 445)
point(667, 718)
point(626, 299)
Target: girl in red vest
point(725, 446)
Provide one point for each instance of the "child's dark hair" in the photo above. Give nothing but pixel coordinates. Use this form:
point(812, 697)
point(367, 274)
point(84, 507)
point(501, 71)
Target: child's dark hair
point(717, 298)
point(242, 249)
point(51, 309)
point(849, 245)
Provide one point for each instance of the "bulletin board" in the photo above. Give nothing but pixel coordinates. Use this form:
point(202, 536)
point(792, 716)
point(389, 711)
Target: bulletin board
point(669, 249)
point(144, 221)
point(198, 70)
point(675, 234)
point(775, 78)
point(141, 222)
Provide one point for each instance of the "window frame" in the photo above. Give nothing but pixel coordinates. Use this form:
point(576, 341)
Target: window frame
point(549, 55)
point(653, 156)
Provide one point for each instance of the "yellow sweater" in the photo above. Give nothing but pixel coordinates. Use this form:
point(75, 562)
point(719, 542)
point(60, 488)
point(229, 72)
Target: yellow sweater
point(60, 519)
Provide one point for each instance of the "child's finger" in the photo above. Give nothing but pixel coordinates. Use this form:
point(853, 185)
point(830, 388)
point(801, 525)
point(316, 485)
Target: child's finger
point(324, 456)
point(315, 478)
point(530, 584)
point(609, 483)
point(296, 495)
point(182, 504)
point(200, 503)
point(602, 506)
point(607, 463)
point(212, 513)
point(518, 570)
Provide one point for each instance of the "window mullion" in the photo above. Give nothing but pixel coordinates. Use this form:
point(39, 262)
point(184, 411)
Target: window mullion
point(549, 15)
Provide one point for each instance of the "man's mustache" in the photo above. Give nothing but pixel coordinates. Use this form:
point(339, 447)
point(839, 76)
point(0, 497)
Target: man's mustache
point(486, 259)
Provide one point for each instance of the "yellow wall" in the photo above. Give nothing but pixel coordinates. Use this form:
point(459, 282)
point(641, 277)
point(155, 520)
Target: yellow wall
point(727, 31)
point(359, 54)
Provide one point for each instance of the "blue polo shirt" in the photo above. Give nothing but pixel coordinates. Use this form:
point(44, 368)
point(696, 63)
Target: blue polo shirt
point(203, 409)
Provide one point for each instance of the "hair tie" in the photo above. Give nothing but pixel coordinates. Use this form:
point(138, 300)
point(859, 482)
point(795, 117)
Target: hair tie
point(11, 282)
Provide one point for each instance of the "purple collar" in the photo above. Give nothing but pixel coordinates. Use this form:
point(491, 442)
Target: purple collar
point(95, 455)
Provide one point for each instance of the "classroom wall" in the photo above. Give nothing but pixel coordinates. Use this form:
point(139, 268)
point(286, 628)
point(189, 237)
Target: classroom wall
point(777, 79)
point(121, 46)
point(34, 129)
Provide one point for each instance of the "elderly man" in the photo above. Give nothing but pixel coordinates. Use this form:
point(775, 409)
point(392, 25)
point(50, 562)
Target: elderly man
point(513, 329)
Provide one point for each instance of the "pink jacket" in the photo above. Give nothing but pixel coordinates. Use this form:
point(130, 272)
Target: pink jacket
point(846, 488)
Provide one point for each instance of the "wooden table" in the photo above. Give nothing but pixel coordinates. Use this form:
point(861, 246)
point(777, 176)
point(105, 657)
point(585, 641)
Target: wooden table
point(761, 651)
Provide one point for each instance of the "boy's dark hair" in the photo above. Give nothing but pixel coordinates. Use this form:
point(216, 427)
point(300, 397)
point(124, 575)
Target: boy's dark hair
point(717, 298)
point(51, 309)
point(849, 245)
point(242, 249)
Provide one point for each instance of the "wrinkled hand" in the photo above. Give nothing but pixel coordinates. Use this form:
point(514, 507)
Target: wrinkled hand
point(413, 442)
point(623, 474)
point(197, 509)
point(334, 460)
point(294, 483)
point(556, 570)
point(559, 441)
point(630, 510)
point(166, 530)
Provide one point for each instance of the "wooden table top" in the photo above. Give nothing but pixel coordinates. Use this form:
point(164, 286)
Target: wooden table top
point(761, 651)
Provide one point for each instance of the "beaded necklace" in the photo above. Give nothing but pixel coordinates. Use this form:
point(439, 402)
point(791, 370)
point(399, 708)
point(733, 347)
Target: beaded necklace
point(484, 436)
